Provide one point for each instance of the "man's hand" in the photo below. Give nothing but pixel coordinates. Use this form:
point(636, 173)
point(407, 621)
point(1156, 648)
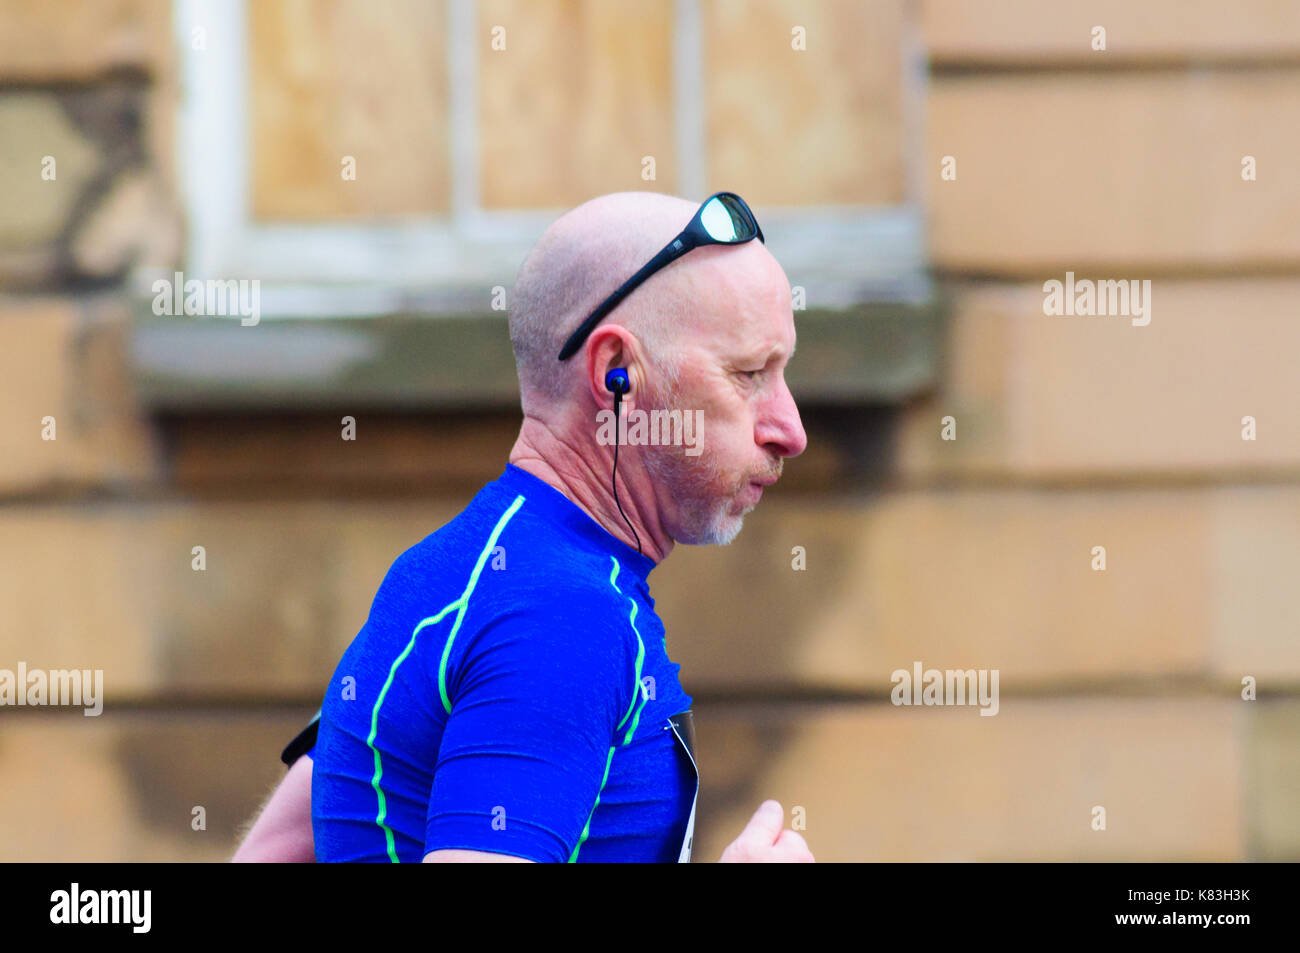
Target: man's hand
point(764, 842)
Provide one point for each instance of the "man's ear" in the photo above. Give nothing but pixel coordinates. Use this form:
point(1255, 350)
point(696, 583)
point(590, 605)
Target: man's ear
point(611, 348)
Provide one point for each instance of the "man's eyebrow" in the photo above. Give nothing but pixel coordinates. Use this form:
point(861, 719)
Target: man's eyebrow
point(773, 352)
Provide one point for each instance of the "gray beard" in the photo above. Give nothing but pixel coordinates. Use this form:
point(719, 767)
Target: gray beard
point(704, 519)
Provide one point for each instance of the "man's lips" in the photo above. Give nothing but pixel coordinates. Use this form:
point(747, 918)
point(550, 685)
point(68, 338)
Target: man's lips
point(756, 486)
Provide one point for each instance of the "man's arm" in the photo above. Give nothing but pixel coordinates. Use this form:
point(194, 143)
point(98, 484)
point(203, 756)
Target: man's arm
point(282, 831)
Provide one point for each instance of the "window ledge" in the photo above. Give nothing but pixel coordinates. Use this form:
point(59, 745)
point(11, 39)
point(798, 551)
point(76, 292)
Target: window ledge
point(874, 353)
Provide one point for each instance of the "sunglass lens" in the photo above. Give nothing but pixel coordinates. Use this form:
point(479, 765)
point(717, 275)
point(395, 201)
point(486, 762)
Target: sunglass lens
point(726, 220)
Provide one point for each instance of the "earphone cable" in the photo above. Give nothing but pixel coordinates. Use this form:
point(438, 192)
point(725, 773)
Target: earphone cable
point(618, 422)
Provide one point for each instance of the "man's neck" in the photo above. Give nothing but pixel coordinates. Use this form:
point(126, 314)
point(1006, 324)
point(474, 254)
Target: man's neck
point(586, 482)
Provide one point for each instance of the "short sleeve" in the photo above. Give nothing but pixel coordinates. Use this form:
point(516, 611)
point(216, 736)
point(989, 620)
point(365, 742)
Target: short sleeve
point(527, 745)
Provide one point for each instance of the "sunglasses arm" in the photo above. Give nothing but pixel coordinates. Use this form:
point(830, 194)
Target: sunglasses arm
point(671, 252)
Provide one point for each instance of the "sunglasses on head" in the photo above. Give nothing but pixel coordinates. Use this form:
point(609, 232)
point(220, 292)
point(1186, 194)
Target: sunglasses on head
point(723, 219)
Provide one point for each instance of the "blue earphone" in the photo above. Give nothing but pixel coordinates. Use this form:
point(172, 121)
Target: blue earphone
point(616, 382)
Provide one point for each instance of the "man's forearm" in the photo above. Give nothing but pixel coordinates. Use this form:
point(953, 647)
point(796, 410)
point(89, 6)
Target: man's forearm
point(282, 832)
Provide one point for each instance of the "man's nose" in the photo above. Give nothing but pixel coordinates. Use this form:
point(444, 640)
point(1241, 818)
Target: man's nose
point(779, 429)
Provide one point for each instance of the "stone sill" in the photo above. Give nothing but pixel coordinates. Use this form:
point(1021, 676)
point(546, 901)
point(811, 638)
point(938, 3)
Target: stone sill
point(871, 354)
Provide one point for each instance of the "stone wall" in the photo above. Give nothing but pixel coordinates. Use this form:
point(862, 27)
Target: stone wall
point(1119, 688)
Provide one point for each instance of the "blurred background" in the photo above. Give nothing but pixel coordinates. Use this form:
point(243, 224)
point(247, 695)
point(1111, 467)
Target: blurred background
point(921, 168)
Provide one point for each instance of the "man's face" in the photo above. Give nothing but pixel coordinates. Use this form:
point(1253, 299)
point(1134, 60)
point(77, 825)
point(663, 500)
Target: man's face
point(732, 371)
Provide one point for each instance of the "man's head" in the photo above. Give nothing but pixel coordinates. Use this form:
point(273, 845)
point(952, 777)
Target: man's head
point(709, 336)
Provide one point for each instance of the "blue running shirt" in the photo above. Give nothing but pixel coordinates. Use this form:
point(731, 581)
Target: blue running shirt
point(510, 692)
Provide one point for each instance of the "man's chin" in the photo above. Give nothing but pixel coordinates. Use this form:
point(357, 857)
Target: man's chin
point(721, 532)
point(719, 527)
point(730, 534)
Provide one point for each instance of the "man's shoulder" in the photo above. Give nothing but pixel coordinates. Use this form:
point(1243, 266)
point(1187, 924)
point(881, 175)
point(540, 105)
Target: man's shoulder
point(576, 595)
point(508, 563)
point(450, 552)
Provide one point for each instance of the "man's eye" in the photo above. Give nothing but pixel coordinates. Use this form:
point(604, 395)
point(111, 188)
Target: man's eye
point(752, 375)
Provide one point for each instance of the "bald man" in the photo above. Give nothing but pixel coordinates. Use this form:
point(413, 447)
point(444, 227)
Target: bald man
point(515, 655)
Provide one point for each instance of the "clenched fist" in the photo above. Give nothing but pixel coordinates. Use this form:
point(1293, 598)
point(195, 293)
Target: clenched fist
point(764, 841)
